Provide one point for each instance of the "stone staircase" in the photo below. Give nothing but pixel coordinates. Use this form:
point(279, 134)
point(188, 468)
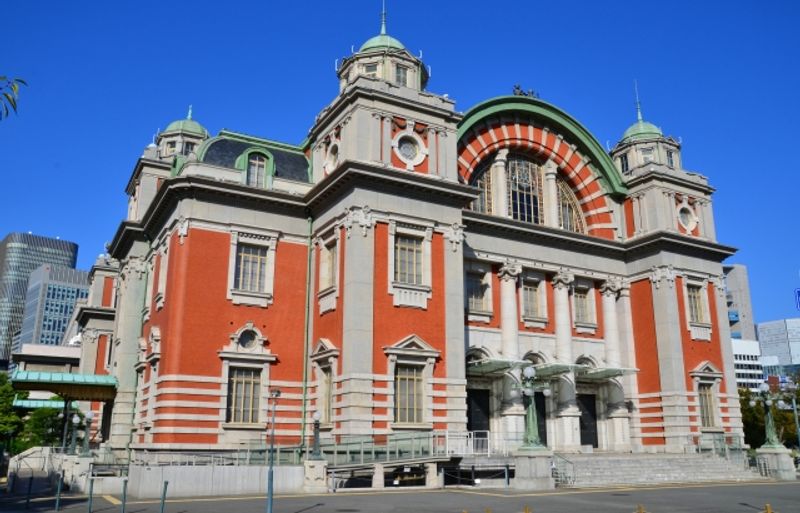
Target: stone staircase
point(602, 470)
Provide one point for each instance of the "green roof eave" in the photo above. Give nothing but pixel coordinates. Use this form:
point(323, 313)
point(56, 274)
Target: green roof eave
point(610, 178)
point(32, 404)
point(96, 387)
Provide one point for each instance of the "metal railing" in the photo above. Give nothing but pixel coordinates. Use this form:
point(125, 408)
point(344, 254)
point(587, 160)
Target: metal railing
point(250, 456)
point(563, 471)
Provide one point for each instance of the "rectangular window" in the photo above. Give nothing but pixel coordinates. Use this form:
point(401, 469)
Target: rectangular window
point(401, 75)
point(583, 312)
point(408, 394)
point(705, 397)
point(647, 155)
point(371, 70)
point(171, 147)
point(326, 409)
point(244, 387)
point(476, 293)
point(408, 260)
point(327, 271)
point(188, 147)
point(670, 158)
point(696, 308)
point(251, 268)
point(530, 299)
point(623, 163)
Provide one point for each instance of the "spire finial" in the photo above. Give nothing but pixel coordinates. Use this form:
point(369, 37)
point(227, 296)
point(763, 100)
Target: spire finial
point(383, 18)
point(638, 103)
point(189, 115)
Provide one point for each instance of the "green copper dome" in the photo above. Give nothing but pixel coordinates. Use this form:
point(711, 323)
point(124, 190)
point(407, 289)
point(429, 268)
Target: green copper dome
point(382, 40)
point(187, 125)
point(642, 130)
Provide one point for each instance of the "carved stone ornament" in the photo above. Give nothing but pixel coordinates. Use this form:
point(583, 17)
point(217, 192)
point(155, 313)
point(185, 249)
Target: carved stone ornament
point(719, 284)
point(183, 229)
point(509, 271)
point(89, 336)
point(611, 287)
point(563, 279)
point(455, 234)
point(134, 267)
point(661, 274)
point(361, 217)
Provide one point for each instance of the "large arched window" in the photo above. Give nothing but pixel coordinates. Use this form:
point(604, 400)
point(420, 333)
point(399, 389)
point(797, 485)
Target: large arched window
point(256, 170)
point(517, 190)
point(569, 211)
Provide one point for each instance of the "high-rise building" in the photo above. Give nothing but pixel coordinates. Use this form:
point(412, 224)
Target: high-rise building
point(52, 293)
point(20, 255)
point(737, 296)
point(782, 340)
point(748, 365)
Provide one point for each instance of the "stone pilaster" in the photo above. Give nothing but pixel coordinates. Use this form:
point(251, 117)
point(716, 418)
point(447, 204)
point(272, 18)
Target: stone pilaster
point(550, 194)
point(499, 184)
point(567, 415)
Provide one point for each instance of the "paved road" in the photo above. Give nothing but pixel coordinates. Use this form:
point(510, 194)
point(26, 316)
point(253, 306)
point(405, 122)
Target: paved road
point(722, 498)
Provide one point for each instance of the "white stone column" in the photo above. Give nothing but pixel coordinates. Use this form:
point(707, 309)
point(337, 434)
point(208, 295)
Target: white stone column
point(563, 320)
point(568, 415)
point(550, 194)
point(375, 137)
point(433, 161)
point(672, 220)
point(509, 313)
point(386, 145)
point(609, 291)
point(500, 184)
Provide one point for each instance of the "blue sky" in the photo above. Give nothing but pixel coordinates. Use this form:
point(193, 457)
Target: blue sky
point(104, 76)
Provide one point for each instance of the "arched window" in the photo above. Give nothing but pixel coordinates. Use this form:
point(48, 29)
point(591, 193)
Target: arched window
point(524, 179)
point(521, 194)
point(256, 170)
point(569, 211)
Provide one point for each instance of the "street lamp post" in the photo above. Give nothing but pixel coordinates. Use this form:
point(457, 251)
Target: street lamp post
point(275, 394)
point(89, 417)
point(75, 421)
point(532, 440)
point(316, 454)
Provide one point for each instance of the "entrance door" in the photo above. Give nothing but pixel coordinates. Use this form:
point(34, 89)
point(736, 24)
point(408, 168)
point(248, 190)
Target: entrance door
point(478, 409)
point(588, 422)
point(478, 419)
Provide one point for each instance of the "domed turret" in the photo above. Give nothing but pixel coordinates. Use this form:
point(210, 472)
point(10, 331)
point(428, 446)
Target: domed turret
point(643, 143)
point(384, 57)
point(181, 137)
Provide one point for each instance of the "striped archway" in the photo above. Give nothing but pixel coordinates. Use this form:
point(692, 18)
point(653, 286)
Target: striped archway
point(531, 126)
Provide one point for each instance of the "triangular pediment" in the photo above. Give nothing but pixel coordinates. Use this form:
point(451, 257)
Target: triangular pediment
point(412, 344)
point(706, 368)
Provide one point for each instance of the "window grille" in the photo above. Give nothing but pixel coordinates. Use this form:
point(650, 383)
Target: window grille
point(530, 299)
point(251, 268)
point(476, 293)
point(408, 394)
point(696, 308)
point(569, 211)
point(705, 394)
point(243, 395)
point(408, 260)
point(580, 299)
point(256, 170)
point(484, 184)
point(524, 189)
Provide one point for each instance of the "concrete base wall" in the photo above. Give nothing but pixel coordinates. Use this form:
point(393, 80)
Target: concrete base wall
point(196, 481)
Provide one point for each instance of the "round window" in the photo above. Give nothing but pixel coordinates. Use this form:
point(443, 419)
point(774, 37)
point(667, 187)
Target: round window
point(247, 340)
point(408, 148)
point(686, 218)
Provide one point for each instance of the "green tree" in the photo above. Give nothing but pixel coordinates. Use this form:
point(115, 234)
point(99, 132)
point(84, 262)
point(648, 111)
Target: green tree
point(10, 423)
point(753, 421)
point(9, 92)
point(42, 428)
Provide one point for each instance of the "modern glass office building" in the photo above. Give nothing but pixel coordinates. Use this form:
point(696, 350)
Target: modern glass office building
point(52, 293)
point(20, 255)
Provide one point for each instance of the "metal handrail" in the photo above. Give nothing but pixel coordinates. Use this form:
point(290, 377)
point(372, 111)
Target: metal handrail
point(563, 471)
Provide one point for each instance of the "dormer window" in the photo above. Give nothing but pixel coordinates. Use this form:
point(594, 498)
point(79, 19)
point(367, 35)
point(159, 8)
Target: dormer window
point(401, 75)
point(670, 158)
point(171, 145)
point(371, 70)
point(647, 155)
point(188, 147)
point(256, 170)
